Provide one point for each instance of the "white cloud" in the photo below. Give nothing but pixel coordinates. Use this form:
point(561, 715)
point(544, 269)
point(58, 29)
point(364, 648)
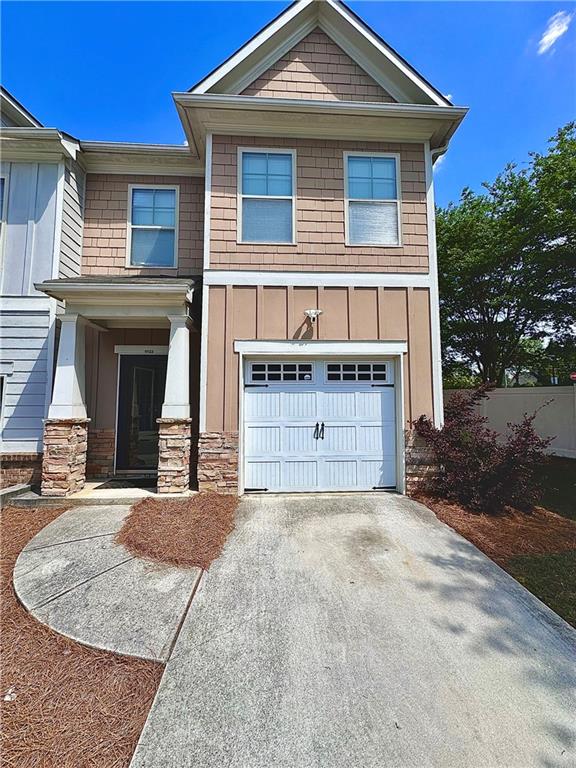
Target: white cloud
point(439, 162)
point(557, 26)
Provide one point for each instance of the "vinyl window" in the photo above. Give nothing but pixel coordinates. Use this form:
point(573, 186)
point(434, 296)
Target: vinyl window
point(266, 196)
point(345, 371)
point(372, 199)
point(152, 226)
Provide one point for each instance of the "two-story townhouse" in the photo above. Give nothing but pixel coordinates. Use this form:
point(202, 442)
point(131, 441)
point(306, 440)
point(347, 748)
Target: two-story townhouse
point(259, 309)
point(41, 191)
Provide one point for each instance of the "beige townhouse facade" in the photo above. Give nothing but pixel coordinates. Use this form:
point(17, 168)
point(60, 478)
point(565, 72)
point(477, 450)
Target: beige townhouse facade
point(258, 310)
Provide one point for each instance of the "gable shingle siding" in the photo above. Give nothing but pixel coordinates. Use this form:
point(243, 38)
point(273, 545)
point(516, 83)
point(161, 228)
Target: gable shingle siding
point(316, 68)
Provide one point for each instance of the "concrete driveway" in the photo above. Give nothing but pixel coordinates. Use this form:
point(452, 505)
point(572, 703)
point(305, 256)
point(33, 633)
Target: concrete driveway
point(358, 631)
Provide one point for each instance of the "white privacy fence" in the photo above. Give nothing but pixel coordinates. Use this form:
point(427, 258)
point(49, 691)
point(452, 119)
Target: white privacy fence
point(557, 419)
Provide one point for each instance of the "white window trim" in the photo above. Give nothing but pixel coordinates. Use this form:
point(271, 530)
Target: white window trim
point(388, 381)
point(240, 196)
point(395, 156)
point(4, 380)
point(131, 188)
point(295, 382)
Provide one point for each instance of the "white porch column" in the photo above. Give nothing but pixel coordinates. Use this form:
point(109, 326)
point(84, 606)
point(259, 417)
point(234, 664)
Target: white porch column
point(177, 394)
point(68, 396)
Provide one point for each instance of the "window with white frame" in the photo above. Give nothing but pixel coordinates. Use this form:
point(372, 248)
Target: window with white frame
point(266, 196)
point(281, 372)
point(153, 226)
point(373, 199)
point(345, 371)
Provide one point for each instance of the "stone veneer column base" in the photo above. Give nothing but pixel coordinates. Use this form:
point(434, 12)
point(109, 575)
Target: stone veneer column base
point(174, 442)
point(64, 461)
point(420, 461)
point(218, 462)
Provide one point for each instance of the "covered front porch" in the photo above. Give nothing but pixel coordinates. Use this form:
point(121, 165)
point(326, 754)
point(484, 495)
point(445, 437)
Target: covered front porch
point(125, 396)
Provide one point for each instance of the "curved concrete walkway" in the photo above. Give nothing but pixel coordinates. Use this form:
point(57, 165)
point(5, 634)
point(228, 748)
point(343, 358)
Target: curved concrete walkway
point(73, 577)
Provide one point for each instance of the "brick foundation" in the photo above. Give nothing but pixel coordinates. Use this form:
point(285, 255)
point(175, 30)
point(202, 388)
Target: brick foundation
point(174, 443)
point(100, 457)
point(421, 464)
point(64, 462)
point(218, 462)
point(17, 468)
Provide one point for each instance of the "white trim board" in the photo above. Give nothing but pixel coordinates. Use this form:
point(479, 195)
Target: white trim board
point(435, 339)
point(320, 279)
point(315, 348)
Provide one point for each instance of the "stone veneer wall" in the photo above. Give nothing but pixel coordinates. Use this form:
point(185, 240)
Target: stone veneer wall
point(17, 468)
point(64, 463)
point(100, 456)
point(218, 462)
point(174, 443)
point(420, 461)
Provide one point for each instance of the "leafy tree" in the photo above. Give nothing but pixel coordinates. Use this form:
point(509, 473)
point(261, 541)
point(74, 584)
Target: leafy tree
point(507, 261)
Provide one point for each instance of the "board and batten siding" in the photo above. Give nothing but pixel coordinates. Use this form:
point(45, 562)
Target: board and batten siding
point(72, 220)
point(24, 359)
point(277, 313)
point(27, 316)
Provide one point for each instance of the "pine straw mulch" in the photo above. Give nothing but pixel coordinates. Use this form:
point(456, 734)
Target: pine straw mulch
point(63, 705)
point(188, 533)
point(510, 534)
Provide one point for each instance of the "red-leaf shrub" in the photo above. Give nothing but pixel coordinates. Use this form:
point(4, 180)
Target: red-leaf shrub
point(478, 468)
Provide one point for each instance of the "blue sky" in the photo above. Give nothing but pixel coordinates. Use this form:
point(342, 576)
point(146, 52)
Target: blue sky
point(106, 70)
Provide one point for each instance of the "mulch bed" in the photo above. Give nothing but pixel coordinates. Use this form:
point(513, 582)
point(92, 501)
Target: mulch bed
point(187, 533)
point(63, 705)
point(510, 534)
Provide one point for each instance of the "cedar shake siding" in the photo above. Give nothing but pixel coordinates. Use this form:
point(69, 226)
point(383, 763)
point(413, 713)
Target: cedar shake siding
point(316, 68)
point(320, 229)
point(277, 313)
point(106, 221)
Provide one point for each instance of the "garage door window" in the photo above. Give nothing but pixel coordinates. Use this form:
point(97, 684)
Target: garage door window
point(356, 372)
point(281, 372)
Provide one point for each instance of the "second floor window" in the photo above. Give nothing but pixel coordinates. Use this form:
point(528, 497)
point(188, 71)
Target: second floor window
point(373, 200)
point(266, 197)
point(153, 225)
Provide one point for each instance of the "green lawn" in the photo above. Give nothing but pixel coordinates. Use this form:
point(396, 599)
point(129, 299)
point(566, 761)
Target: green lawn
point(559, 480)
point(552, 578)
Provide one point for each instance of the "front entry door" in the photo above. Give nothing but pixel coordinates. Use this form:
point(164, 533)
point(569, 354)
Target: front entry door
point(140, 398)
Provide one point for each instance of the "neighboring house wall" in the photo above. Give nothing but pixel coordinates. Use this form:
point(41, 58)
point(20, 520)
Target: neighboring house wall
point(106, 223)
point(320, 211)
point(557, 417)
point(72, 220)
point(27, 317)
point(316, 68)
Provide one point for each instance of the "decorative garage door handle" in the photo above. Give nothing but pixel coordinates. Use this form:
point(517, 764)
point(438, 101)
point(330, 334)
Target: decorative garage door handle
point(316, 428)
point(321, 435)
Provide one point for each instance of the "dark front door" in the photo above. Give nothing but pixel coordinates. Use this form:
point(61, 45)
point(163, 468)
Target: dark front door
point(140, 398)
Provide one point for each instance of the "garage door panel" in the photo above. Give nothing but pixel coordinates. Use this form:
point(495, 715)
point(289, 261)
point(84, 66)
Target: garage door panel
point(263, 474)
point(372, 404)
point(338, 405)
point(300, 474)
point(341, 474)
point(262, 439)
point(299, 439)
point(260, 403)
point(338, 439)
point(300, 405)
point(378, 474)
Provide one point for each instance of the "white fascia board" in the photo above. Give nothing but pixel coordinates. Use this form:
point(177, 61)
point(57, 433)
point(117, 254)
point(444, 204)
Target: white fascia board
point(252, 45)
point(319, 279)
point(321, 348)
point(232, 101)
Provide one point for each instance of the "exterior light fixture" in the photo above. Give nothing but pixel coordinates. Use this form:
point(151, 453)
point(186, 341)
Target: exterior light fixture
point(312, 314)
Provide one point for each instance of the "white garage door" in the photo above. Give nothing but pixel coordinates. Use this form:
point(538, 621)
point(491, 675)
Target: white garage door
point(319, 425)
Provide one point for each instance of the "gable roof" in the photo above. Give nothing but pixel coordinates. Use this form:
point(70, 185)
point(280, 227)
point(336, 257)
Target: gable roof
point(378, 59)
point(15, 114)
